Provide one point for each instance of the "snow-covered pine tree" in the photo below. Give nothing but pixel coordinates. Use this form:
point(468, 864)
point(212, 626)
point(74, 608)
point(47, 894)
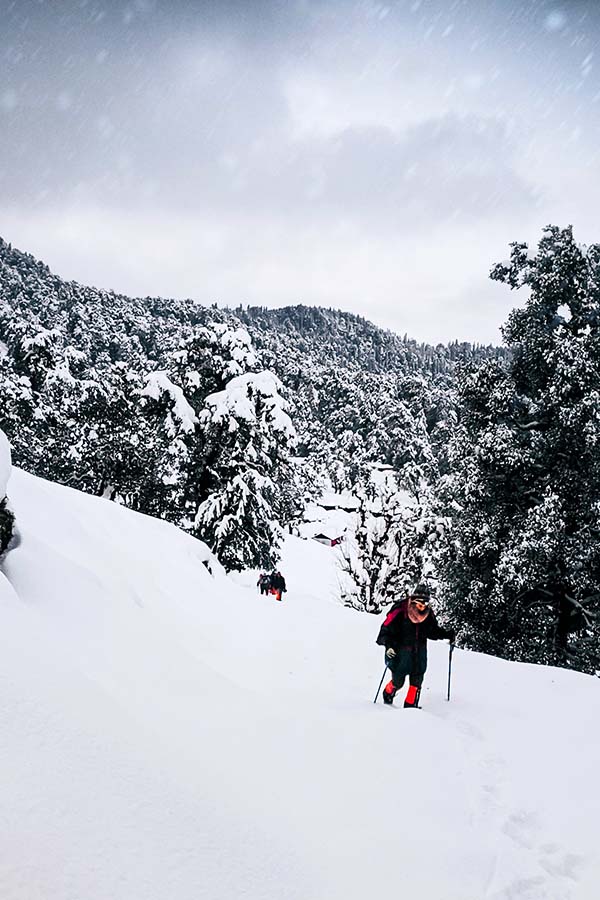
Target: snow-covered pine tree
point(245, 436)
point(109, 452)
point(209, 356)
point(370, 554)
point(169, 424)
point(397, 530)
point(393, 545)
point(17, 409)
point(521, 570)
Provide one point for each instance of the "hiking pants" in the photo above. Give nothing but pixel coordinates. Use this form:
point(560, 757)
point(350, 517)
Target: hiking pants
point(408, 661)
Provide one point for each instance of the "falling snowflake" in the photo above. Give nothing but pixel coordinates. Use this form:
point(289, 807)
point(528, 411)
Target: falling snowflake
point(555, 20)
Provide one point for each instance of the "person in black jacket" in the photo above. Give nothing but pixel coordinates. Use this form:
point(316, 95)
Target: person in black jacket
point(404, 634)
point(277, 582)
point(264, 583)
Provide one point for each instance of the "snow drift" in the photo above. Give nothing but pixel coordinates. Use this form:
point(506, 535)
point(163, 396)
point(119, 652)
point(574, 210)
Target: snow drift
point(167, 732)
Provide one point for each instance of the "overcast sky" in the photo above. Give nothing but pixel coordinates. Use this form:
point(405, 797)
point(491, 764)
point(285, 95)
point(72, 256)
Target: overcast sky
point(373, 156)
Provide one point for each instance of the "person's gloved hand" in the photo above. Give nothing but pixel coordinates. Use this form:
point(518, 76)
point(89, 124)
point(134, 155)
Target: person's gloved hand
point(451, 635)
point(390, 653)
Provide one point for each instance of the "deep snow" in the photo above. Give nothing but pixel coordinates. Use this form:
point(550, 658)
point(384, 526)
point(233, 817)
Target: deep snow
point(168, 733)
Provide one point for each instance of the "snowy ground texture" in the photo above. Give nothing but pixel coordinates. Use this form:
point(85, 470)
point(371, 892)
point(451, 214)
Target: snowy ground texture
point(171, 734)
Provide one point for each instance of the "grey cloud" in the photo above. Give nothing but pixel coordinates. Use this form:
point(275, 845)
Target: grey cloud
point(117, 124)
point(223, 146)
point(180, 105)
point(443, 168)
point(91, 105)
point(173, 124)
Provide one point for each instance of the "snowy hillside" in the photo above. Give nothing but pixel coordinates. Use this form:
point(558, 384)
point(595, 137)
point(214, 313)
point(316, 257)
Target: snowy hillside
point(168, 733)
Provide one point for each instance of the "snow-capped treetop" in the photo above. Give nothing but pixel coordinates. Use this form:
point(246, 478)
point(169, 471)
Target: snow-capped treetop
point(5, 464)
point(159, 383)
point(208, 357)
point(45, 337)
point(237, 401)
point(238, 343)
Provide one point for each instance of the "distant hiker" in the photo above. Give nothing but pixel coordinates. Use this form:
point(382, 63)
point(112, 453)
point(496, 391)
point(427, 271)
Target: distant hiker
point(264, 583)
point(277, 582)
point(404, 634)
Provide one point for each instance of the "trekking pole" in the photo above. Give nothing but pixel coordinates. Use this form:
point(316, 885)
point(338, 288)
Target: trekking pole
point(450, 668)
point(380, 683)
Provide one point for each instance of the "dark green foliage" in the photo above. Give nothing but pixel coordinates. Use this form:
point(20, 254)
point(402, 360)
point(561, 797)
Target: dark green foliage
point(522, 569)
point(347, 341)
point(7, 521)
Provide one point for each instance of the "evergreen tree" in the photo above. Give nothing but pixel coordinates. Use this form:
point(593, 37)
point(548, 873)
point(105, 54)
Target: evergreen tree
point(394, 541)
point(522, 567)
point(245, 435)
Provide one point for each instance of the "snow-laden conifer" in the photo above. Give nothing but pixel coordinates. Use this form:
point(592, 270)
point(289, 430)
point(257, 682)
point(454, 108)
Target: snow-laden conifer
point(245, 435)
point(522, 567)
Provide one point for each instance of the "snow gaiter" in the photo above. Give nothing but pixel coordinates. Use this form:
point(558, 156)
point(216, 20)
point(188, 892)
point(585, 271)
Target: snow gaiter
point(411, 696)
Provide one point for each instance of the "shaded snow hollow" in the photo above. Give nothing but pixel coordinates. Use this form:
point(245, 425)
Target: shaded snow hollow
point(171, 734)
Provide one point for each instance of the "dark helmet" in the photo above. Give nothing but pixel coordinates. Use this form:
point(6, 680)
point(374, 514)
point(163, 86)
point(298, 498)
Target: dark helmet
point(422, 592)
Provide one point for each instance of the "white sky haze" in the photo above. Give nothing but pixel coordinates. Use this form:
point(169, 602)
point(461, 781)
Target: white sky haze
point(377, 157)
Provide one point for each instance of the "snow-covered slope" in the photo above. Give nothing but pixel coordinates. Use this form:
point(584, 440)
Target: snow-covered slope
point(168, 733)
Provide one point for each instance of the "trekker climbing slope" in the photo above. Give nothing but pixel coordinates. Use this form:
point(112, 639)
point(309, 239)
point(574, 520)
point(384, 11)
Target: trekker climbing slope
point(278, 586)
point(264, 583)
point(407, 627)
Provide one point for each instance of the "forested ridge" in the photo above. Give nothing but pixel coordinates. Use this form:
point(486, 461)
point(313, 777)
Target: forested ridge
point(474, 467)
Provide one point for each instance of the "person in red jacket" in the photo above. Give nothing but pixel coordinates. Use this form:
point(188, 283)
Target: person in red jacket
point(407, 627)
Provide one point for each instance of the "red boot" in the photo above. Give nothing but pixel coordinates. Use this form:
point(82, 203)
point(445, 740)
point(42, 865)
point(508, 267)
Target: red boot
point(389, 692)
